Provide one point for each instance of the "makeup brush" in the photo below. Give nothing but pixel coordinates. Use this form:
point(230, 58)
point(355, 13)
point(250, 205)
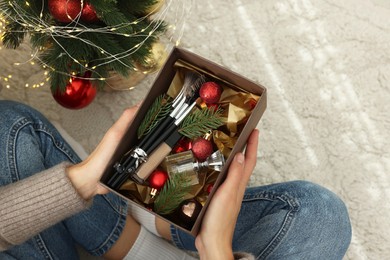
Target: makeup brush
point(185, 99)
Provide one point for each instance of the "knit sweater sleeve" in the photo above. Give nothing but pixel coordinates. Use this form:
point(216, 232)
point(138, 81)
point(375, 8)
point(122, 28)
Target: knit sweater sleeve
point(31, 205)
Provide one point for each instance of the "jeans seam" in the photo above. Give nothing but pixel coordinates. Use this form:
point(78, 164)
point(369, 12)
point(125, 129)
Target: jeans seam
point(59, 145)
point(14, 130)
point(279, 236)
point(122, 210)
point(38, 127)
point(42, 246)
point(112, 238)
point(294, 207)
point(175, 238)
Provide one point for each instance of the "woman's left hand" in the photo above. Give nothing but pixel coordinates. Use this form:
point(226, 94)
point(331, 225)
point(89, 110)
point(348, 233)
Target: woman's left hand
point(214, 240)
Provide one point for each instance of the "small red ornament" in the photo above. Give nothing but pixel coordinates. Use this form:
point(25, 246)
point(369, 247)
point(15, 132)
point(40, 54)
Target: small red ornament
point(88, 14)
point(183, 145)
point(157, 179)
point(210, 92)
point(64, 11)
point(79, 93)
point(202, 149)
point(209, 188)
point(251, 103)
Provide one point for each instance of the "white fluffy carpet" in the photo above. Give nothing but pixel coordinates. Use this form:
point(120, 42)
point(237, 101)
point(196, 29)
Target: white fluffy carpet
point(326, 64)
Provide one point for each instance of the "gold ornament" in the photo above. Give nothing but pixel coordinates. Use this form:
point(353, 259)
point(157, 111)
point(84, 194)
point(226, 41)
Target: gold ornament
point(117, 82)
point(156, 59)
point(153, 63)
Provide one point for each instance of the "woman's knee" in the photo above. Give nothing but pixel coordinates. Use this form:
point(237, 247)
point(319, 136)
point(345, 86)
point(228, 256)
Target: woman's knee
point(12, 111)
point(323, 214)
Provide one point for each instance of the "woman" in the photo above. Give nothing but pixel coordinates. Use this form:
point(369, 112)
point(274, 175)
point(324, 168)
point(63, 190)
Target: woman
point(50, 201)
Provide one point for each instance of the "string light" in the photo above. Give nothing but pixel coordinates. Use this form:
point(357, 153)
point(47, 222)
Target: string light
point(38, 25)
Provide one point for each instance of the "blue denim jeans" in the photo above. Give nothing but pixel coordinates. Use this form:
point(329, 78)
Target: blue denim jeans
point(294, 220)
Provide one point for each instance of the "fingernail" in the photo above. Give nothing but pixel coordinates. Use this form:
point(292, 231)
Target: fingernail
point(240, 158)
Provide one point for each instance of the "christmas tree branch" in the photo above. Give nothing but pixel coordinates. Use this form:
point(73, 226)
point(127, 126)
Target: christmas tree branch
point(201, 121)
point(160, 108)
point(172, 194)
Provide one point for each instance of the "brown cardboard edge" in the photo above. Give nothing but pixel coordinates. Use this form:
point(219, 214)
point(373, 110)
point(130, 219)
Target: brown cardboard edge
point(164, 78)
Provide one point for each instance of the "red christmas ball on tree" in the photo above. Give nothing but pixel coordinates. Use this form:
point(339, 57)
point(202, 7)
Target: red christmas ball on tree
point(157, 179)
point(88, 14)
point(79, 93)
point(202, 149)
point(64, 11)
point(210, 92)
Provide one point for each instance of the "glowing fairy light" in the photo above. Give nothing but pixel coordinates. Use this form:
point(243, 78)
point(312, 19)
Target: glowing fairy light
point(179, 9)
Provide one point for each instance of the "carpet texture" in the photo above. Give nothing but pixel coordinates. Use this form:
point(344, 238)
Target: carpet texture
point(326, 64)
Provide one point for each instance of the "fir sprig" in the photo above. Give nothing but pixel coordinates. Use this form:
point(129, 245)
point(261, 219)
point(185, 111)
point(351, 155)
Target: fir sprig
point(172, 194)
point(160, 108)
point(200, 121)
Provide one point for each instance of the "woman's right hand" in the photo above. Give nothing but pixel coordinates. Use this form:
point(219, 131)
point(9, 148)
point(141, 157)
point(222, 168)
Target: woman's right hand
point(86, 175)
point(214, 240)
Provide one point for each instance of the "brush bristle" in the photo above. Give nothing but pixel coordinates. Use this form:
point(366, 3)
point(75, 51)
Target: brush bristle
point(192, 82)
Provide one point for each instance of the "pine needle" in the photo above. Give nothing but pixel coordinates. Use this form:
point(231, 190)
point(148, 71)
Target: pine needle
point(200, 122)
point(160, 108)
point(172, 194)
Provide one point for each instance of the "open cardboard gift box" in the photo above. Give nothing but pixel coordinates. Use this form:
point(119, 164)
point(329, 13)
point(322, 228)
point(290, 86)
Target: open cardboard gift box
point(242, 89)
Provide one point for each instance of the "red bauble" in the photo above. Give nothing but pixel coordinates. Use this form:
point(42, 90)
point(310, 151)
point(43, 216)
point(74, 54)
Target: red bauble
point(157, 179)
point(202, 149)
point(209, 188)
point(64, 11)
point(251, 103)
point(88, 14)
point(210, 92)
point(183, 145)
point(79, 93)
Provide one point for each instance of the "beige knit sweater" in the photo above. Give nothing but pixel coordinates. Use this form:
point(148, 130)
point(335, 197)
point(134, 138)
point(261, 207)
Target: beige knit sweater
point(31, 205)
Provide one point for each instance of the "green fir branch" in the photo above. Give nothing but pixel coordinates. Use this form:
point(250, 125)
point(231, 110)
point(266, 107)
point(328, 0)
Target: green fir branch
point(200, 122)
point(160, 108)
point(14, 35)
point(172, 194)
point(16, 29)
point(137, 7)
point(111, 15)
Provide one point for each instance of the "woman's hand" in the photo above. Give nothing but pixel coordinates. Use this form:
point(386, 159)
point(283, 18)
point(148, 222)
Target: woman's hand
point(86, 175)
point(214, 240)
